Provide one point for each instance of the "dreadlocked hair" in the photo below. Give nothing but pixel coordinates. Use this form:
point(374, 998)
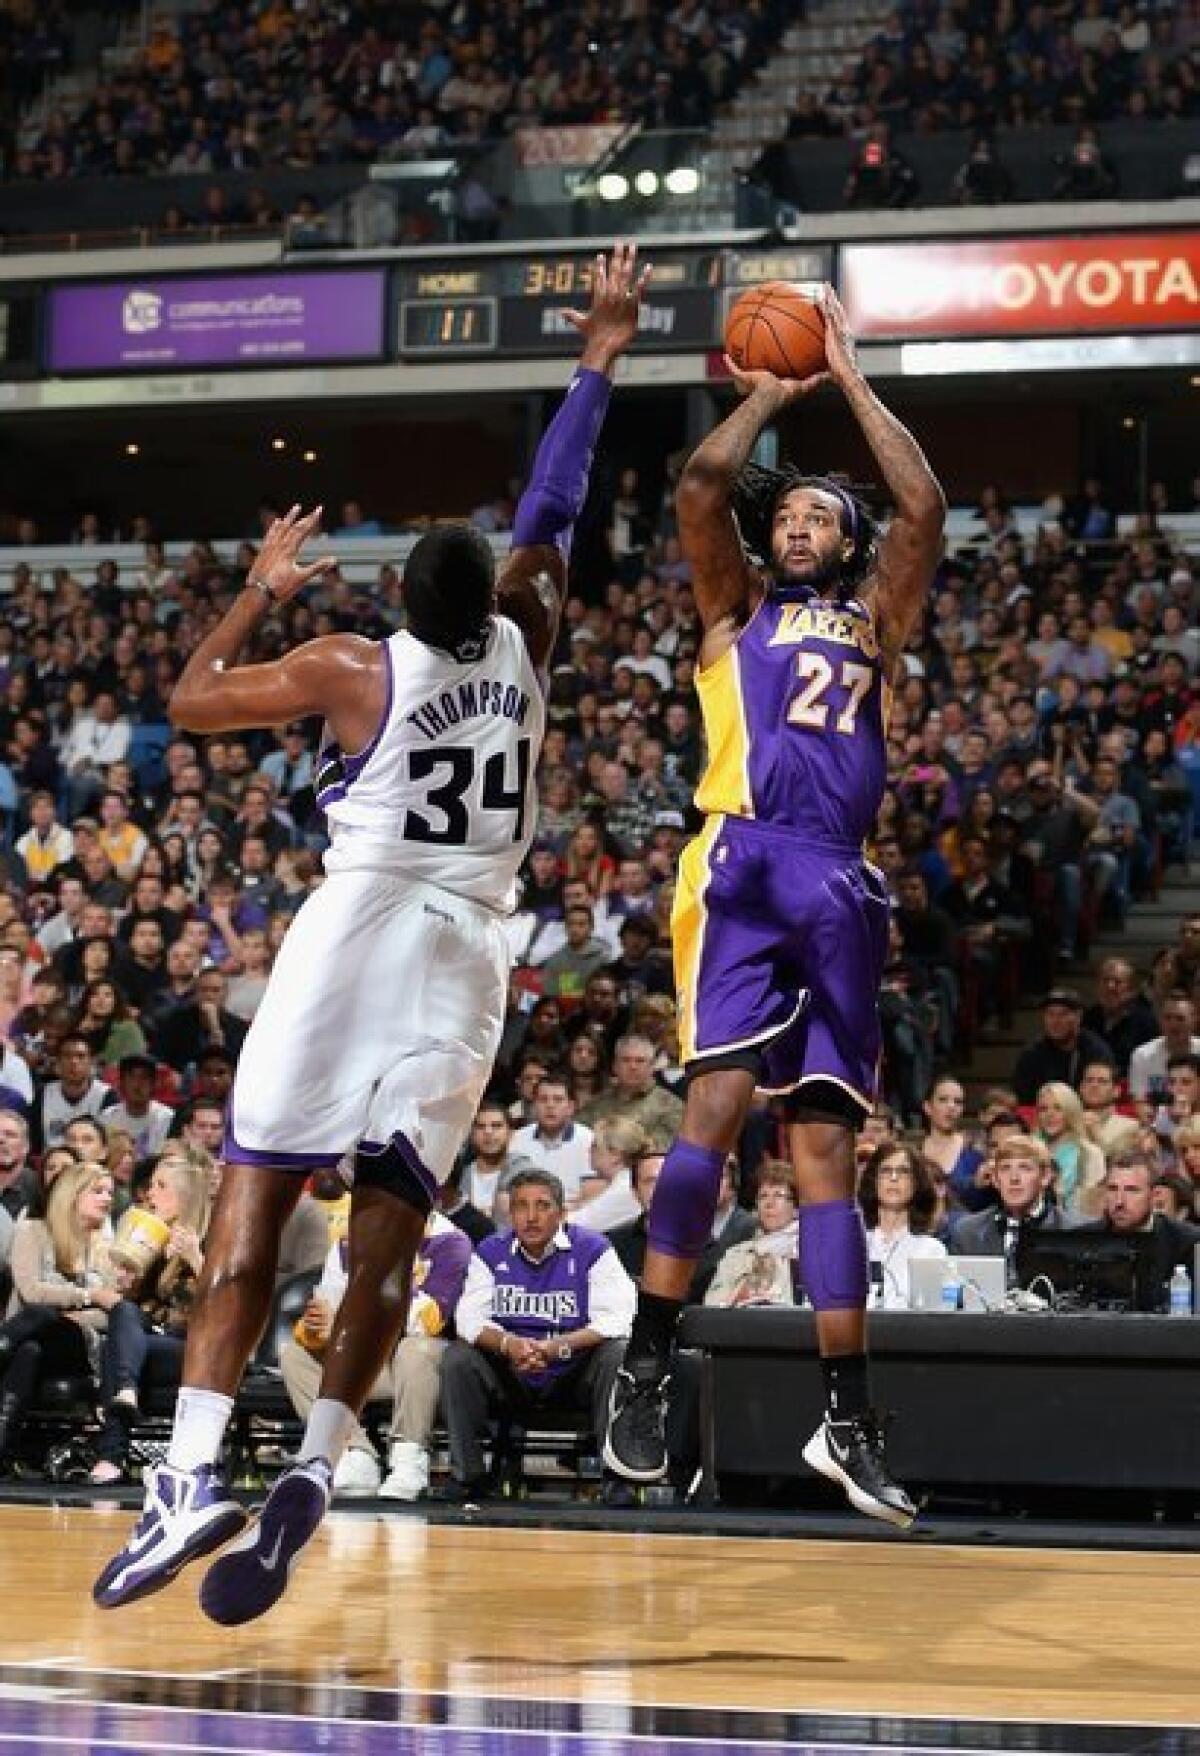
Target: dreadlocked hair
point(758, 491)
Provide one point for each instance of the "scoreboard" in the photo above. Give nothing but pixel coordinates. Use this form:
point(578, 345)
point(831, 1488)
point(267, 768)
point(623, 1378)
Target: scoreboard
point(512, 306)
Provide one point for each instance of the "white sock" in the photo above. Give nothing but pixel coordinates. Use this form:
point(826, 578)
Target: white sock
point(327, 1430)
point(201, 1417)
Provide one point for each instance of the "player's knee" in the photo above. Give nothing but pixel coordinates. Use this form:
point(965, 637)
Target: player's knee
point(716, 1104)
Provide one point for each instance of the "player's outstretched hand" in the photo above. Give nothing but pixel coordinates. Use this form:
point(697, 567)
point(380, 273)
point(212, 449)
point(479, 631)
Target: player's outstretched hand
point(278, 564)
point(782, 390)
point(839, 343)
point(610, 323)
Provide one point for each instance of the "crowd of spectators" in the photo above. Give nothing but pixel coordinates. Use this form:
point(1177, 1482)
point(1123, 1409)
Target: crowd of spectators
point(233, 88)
point(1044, 747)
point(1026, 62)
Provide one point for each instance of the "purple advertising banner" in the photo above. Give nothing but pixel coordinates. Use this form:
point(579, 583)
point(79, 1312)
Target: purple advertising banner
point(216, 320)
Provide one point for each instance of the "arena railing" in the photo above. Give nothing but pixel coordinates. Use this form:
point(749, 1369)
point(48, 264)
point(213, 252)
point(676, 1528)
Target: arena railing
point(360, 558)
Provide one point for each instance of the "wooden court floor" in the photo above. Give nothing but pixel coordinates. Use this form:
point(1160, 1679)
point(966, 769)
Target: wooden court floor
point(893, 1627)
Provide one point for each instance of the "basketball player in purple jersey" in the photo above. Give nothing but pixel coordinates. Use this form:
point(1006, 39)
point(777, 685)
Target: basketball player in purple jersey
point(379, 1028)
point(780, 926)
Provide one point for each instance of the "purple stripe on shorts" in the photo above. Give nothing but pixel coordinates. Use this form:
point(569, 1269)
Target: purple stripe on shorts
point(234, 1154)
point(411, 1157)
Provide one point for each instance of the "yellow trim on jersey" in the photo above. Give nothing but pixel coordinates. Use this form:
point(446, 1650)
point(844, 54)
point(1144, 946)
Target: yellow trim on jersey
point(725, 785)
point(689, 918)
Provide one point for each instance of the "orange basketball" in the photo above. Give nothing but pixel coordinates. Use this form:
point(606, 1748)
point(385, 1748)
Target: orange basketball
point(776, 328)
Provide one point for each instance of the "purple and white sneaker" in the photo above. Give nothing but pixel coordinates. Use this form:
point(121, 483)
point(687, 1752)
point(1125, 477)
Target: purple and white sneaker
point(252, 1574)
point(188, 1513)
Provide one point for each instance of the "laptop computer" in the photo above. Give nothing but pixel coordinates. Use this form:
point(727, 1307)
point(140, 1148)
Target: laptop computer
point(982, 1279)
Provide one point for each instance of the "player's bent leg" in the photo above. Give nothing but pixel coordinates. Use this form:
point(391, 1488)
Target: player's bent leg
point(385, 1230)
point(848, 1447)
point(679, 1227)
point(188, 1510)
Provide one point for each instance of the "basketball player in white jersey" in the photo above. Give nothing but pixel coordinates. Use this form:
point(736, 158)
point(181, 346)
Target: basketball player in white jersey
point(383, 1015)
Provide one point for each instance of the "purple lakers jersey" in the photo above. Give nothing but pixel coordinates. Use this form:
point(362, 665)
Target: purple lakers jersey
point(795, 713)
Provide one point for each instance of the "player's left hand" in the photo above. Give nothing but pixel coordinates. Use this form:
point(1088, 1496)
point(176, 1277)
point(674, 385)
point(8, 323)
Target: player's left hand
point(610, 323)
point(278, 563)
point(839, 343)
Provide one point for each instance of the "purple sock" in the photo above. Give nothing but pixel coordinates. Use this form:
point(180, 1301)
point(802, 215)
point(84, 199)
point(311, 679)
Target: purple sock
point(684, 1202)
point(558, 486)
point(833, 1255)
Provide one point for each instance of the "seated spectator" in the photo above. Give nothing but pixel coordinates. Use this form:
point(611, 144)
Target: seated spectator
point(138, 1112)
point(547, 1334)
point(1148, 1081)
point(1078, 1161)
point(1183, 1098)
point(1187, 1152)
point(764, 1269)
point(199, 1023)
point(411, 1380)
point(1129, 1207)
point(586, 1069)
point(103, 1021)
point(1023, 1173)
point(492, 1158)
point(19, 1187)
point(641, 969)
point(252, 970)
point(75, 1092)
point(1175, 1197)
point(981, 180)
point(948, 1146)
point(601, 1014)
point(606, 1197)
point(1055, 832)
point(565, 972)
point(46, 845)
point(1105, 1122)
point(1085, 174)
point(900, 1206)
point(143, 1347)
point(930, 943)
point(1121, 1015)
point(554, 1140)
point(63, 1292)
point(634, 1092)
point(1062, 1052)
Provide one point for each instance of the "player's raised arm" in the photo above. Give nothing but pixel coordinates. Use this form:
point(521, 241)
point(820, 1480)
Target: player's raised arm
point(910, 550)
point(722, 578)
point(216, 694)
point(532, 584)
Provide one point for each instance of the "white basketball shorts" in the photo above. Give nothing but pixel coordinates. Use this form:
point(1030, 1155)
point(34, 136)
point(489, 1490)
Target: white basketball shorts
point(380, 1024)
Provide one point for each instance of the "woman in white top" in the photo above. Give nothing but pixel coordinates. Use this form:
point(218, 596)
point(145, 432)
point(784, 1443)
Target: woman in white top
point(606, 1198)
point(899, 1202)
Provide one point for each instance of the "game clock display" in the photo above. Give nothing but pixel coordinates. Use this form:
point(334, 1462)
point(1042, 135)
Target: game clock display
point(513, 305)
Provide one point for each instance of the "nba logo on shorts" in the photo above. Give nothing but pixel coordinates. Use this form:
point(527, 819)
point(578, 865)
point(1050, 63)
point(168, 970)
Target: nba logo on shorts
point(141, 312)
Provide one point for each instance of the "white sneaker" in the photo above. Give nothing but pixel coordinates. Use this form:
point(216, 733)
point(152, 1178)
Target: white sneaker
point(408, 1472)
point(357, 1473)
point(187, 1513)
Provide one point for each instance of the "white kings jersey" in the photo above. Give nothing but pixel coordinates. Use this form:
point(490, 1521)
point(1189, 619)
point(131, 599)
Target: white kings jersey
point(445, 790)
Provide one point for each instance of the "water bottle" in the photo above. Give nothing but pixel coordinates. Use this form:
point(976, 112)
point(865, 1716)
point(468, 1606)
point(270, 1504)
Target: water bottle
point(1180, 1293)
point(952, 1290)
